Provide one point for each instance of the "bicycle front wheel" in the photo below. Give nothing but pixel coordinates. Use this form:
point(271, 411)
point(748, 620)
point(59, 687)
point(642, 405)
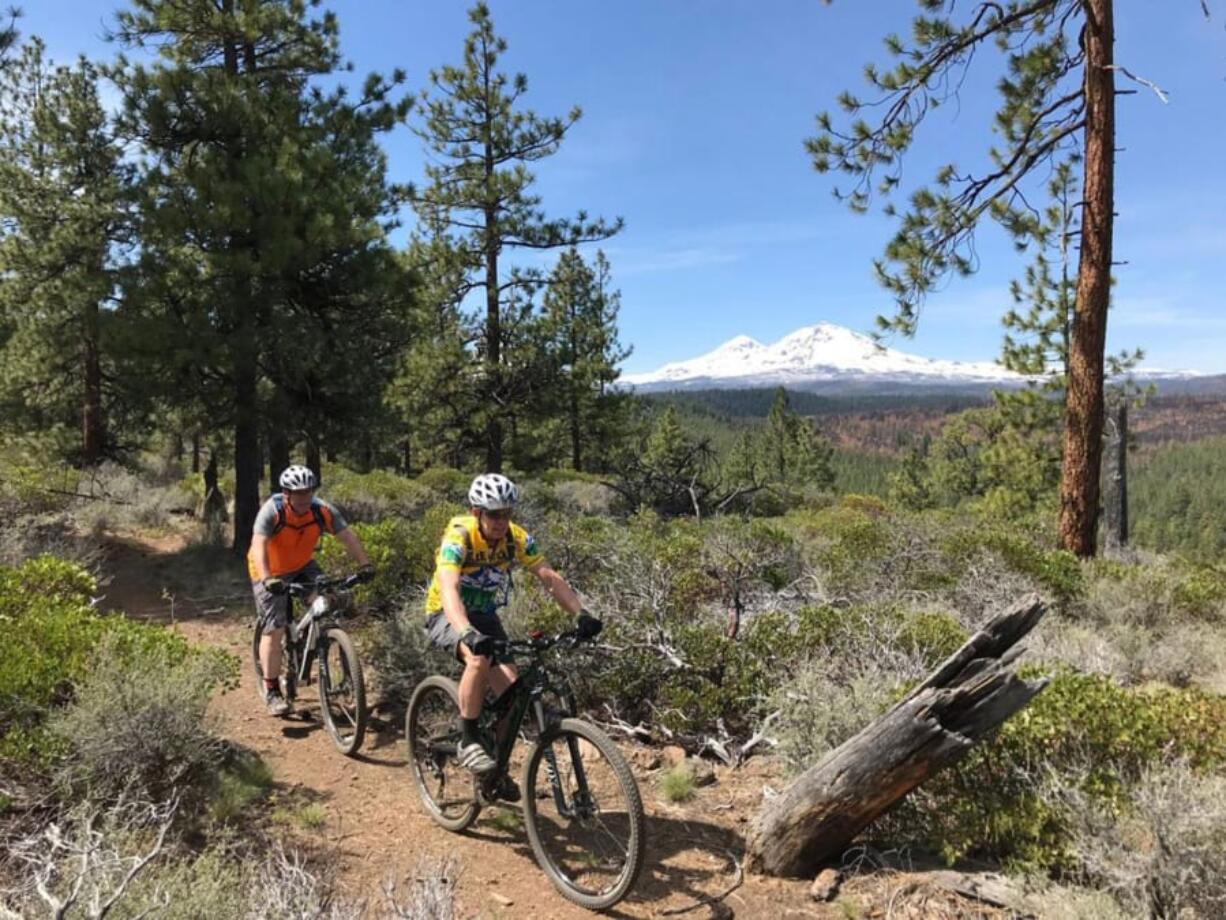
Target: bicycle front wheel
point(583, 814)
point(342, 693)
point(432, 734)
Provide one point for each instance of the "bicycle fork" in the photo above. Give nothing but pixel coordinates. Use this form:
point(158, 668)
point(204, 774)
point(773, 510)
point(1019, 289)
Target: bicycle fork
point(581, 797)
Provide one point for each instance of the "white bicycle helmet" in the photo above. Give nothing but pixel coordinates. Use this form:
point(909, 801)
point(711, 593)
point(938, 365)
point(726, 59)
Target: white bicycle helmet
point(492, 492)
point(296, 478)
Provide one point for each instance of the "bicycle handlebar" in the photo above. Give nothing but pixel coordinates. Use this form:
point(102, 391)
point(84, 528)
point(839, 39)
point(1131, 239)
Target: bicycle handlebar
point(329, 582)
point(508, 648)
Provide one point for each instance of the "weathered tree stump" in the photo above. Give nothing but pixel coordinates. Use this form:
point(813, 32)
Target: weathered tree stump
point(212, 508)
point(963, 700)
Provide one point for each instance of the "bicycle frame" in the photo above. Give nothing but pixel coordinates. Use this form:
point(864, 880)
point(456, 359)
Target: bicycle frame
point(302, 637)
point(529, 693)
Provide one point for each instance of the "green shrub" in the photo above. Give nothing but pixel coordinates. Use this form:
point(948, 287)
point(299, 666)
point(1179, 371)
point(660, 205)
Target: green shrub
point(1057, 572)
point(932, 635)
point(137, 723)
point(50, 631)
point(242, 780)
point(400, 652)
point(377, 495)
point(823, 703)
point(1163, 853)
point(677, 783)
point(1153, 593)
point(52, 638)
point(450, 484)
point(402, 552)
point(1081, 725)
point(843, 540)
point(36, 485)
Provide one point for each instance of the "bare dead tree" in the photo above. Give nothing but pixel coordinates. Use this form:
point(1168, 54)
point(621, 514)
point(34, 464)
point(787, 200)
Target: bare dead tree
point(80, 862)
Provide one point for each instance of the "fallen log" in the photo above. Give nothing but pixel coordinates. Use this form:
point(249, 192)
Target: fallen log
point(963, 700)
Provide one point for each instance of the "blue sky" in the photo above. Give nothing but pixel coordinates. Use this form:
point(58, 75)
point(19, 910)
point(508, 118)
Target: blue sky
point(695, 113)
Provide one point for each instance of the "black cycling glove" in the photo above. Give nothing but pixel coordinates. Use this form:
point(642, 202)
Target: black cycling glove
point(274, 585)
point(478, 642)
point(589, 626)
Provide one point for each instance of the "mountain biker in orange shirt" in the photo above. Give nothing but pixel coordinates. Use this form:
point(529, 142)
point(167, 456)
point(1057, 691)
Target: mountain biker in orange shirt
point(287, 529)
point(472, 579)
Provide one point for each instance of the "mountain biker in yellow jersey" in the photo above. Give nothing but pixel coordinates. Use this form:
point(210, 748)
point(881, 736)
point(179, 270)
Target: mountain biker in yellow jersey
point(287, 529)
point(472, 579)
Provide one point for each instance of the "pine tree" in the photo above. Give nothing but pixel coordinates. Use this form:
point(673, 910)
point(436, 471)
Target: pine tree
point(1058, 94)
point(264, 208)
point(9, 33)
point(793, 451)
point(63, 201)
point(580, 317)
point(434, 393)
point(478, 201)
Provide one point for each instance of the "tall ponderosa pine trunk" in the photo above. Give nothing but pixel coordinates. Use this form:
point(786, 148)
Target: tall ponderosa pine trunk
point(493, 343)
point(93, 424)
point(247, 465)
point(278, 456)
point(576, 451)
point(1083, 428)
point(313, 459)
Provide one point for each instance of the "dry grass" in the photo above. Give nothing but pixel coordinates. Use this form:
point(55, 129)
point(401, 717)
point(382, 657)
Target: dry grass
point(1162, 855)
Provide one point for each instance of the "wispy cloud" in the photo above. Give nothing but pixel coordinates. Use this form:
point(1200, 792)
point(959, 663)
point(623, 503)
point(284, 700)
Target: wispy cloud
point(680, 249)
point(1162, 312)
point(642, 262)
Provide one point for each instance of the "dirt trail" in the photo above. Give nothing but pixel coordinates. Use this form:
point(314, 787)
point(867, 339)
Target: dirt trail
point(374, 823)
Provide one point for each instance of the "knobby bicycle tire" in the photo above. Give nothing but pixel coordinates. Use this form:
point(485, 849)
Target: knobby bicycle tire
point(432, 733)
point(344, 720)
point(591, 844)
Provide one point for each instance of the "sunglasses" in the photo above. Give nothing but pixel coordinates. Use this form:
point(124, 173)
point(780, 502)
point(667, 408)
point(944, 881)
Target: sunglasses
point(503, 515)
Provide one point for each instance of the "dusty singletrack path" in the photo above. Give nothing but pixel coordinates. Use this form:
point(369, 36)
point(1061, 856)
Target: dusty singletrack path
point(373, 826)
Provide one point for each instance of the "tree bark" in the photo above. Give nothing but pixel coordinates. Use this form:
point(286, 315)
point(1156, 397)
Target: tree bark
point(93, 433)
point(967, 697)
point(1083, 416)
point(313, 460)
point(247, 465)
point(493, 349)
point(278, 456)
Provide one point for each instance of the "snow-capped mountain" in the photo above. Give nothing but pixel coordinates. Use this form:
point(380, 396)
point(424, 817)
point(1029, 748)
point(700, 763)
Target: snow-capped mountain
point(816, 355)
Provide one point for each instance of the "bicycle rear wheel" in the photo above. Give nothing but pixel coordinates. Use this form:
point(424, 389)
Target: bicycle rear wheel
point(584, 815)
point(342, 692)
point(432, 734)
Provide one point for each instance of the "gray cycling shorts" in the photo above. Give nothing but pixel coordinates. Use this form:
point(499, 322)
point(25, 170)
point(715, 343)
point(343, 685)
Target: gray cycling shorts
point(273, 609)
point(444, 636)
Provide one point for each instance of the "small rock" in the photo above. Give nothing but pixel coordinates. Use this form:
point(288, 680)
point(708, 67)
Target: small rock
point(826, 885)
point(645, 758)
point(502, 899)
point(673, 754)
point(704, 773)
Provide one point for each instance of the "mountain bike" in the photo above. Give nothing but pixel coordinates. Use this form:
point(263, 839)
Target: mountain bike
point(581, 805)
point(317, 639)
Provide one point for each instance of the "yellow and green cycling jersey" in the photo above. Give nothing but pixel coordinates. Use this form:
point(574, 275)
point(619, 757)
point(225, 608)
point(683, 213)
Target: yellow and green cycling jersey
point(485, 570)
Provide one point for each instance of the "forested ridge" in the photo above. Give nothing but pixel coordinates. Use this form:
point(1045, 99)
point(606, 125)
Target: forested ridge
point(218, 277)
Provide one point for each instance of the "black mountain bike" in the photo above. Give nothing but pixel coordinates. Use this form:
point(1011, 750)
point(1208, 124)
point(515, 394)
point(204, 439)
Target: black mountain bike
point(581, 805)
point(316, 638)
